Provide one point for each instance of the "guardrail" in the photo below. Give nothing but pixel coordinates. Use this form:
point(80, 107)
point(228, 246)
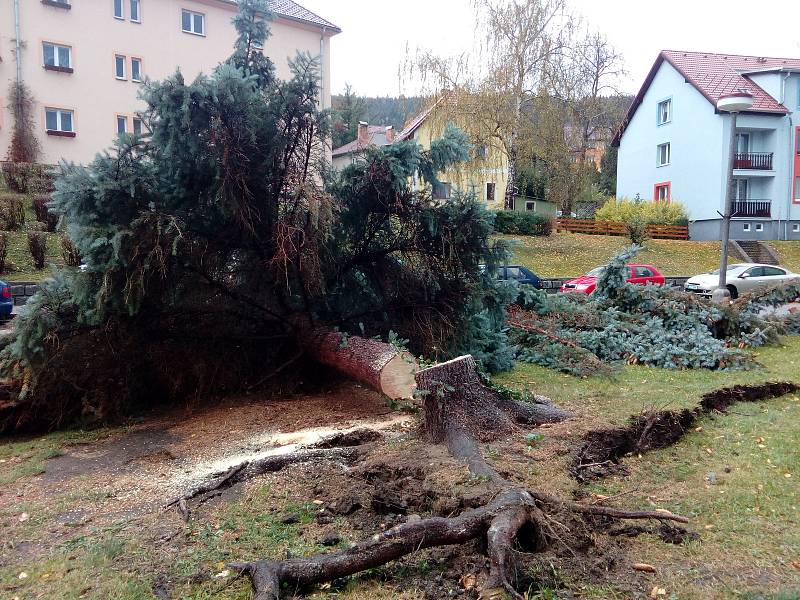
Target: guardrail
point(592, 227)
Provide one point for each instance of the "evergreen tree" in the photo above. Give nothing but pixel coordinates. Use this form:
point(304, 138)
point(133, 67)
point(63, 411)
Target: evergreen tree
point(348, 110)
point(608, 171)
point(206, 243)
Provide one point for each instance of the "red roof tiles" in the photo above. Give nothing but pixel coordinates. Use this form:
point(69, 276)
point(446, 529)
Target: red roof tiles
point(715, 75)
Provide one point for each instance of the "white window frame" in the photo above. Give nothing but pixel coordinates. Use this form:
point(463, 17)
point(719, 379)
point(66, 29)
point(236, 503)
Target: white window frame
point(668, 147)
point(668, 103)
point(138, 5)
point(59, 125)
point(55, 55)
point(759, 227)
point(141, 69)
point(141, 126)
point(530, 205)
point(665, 188)
point(446, 187)
point(121, 119)
point(124, 76)
point(796, 227)
point(745, 226)
point(121, 14)
point(193, 14)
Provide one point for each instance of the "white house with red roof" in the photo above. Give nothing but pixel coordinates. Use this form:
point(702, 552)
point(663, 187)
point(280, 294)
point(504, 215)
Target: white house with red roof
point(674, 143)
point(367, 136)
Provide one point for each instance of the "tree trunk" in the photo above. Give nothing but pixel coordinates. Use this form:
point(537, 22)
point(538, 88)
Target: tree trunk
point(376, 364)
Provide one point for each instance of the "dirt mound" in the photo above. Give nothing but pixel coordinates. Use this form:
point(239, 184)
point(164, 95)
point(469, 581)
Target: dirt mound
point(603, 449)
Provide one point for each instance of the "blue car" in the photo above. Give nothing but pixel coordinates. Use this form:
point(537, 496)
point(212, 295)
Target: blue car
point(520, 274)
point(6, 301)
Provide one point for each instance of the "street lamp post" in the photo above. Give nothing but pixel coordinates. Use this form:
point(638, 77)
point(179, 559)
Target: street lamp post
point(732, 104)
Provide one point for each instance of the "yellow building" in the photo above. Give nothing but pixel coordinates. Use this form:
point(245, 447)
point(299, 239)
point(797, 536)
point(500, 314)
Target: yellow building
point(85, 60)
point(486, 174)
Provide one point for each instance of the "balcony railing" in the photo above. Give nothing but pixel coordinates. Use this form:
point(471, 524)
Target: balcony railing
point(761, 161)
point(757, 209)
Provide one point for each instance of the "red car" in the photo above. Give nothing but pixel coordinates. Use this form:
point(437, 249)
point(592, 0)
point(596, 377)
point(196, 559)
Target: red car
point(641, 274)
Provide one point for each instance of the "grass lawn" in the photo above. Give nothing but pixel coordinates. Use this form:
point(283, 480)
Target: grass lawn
point(789, 253)
point(19, 265)
point(737, 478)
point(571, 254)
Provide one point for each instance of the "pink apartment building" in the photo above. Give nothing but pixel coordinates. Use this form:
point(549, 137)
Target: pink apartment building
point(85, 60)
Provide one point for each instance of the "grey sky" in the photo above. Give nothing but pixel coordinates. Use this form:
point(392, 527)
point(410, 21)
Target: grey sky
point(376, 33)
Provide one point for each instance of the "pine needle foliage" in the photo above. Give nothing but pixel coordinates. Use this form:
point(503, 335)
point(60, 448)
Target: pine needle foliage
point(206, 243)
point(651, 325)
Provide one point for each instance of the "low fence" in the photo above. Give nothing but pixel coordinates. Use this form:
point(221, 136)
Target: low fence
point(590, 226)
point(22, 290)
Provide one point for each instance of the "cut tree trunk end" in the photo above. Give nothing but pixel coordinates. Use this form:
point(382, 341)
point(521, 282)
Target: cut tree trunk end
point(376, 364)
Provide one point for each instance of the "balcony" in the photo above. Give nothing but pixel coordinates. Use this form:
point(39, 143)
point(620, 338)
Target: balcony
point(759, 161)
point(754, 209)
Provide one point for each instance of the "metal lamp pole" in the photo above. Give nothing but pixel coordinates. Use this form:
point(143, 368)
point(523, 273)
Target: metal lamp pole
point(733, 104)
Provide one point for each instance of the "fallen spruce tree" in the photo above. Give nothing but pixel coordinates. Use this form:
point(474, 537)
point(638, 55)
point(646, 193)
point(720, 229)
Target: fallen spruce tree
point(220, 255)
point(650, 325)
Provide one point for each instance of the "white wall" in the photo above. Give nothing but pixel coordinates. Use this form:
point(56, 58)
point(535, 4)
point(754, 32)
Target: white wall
point(696, 137)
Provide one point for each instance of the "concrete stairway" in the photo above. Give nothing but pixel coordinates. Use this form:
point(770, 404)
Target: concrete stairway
point(756, 252)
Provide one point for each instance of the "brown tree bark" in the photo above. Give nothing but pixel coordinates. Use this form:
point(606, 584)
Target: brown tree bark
point(376, 364)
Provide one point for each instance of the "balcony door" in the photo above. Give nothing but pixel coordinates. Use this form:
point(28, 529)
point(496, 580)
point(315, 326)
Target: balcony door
point(742, 143)
point(739, 190)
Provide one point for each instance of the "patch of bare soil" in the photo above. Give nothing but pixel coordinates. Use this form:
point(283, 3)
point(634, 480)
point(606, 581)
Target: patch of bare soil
point(603, 450)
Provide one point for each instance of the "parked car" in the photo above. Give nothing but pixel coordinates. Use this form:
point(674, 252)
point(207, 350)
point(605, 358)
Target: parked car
point(740, 277)
point(640, 274)
point(6, 301)
point(520, 274)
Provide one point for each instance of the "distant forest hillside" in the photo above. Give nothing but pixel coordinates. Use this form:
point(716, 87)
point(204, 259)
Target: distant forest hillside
point(384, 111)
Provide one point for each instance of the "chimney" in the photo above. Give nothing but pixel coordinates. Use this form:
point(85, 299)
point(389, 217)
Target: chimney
point(390, 134)
point(363, 132)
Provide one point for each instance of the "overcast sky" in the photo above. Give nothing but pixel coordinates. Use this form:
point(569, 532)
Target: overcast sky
point(376, 33)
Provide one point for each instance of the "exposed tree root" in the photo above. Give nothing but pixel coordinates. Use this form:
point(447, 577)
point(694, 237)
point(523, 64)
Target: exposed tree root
point(459, 411)
point(603, 449)
point(269, 464)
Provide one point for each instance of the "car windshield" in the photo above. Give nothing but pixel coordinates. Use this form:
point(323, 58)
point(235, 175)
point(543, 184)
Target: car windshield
point(731, 269)
point(596, 272)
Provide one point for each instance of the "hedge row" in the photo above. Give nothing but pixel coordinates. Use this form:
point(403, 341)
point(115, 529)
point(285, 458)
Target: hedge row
point(523, 223)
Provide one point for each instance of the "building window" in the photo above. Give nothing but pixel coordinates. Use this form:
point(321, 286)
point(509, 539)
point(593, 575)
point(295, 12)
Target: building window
point(136, 69)
point(122, 124)
point(119, 66)
point(192, 22)
point(57, 3)
point(759, 227)
point(662, 192)
point(138, 126)
point(441, 191)
point(745, 226)
point(795, 227)
point(58, 121)
point(530, 205)
point(665, 111)
point(119, 11)
point(136, 16)
point(481, 151)
point(57, 57)
point(663, 154)
point(490, 191)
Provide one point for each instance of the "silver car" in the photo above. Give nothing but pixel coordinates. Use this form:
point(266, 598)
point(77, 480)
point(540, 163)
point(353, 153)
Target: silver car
point(740, 277)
